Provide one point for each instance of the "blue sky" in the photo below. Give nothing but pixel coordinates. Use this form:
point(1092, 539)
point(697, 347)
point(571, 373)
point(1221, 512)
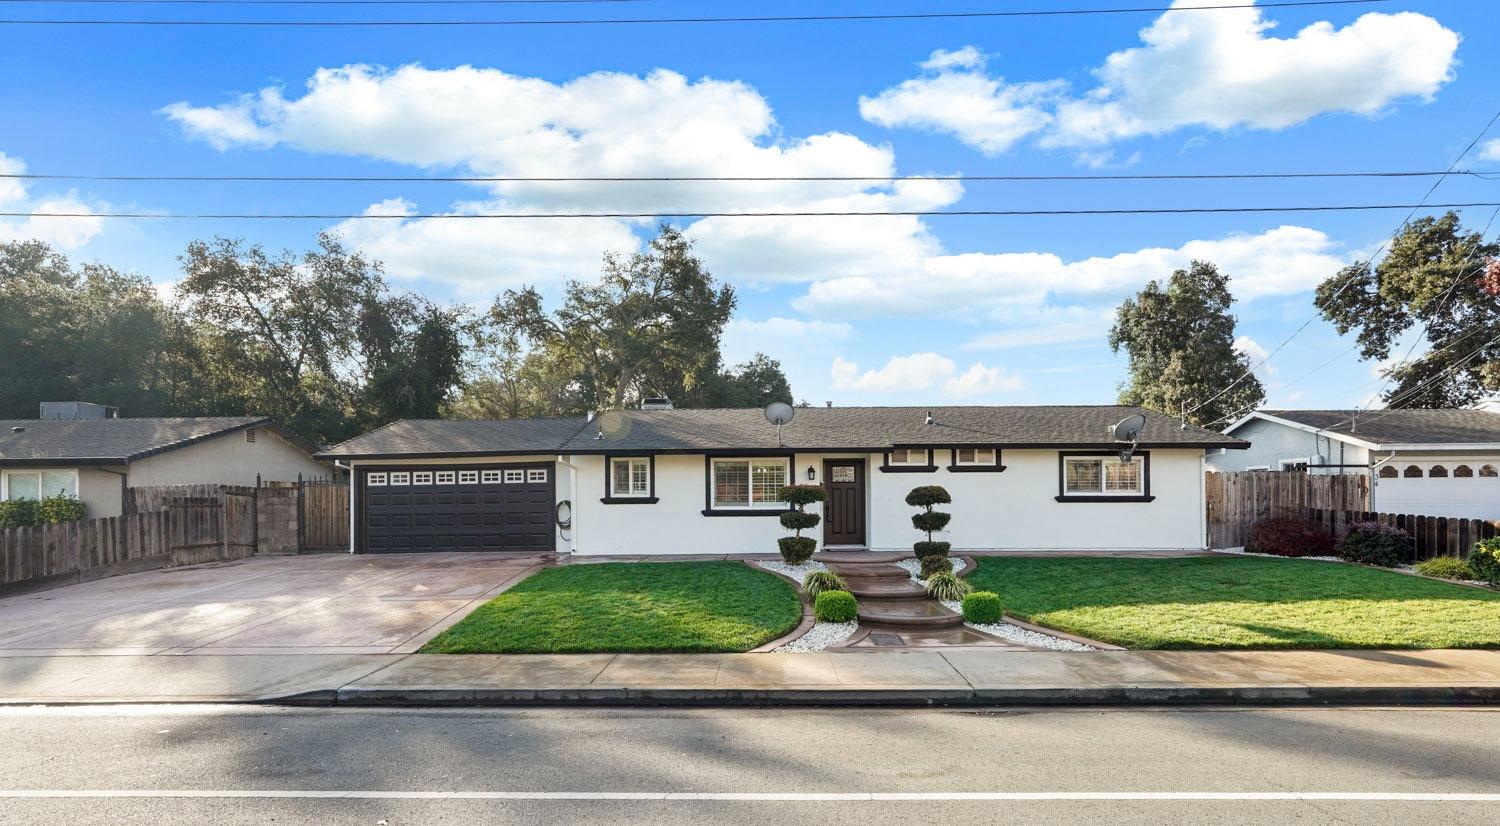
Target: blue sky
point(859, 310)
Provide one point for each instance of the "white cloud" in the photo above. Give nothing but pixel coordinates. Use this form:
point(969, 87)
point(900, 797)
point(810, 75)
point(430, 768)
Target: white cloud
point(959, 99)
point(787, 339)
point(1283, 260)
point(980, 380)
point(1220, 71)
point(489, 123)
point(1258, 356)
point(1048, 327)
point(922, 371)
point(1490, 150)
point(67, 233)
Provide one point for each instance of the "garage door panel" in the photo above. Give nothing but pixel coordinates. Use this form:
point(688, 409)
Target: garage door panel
point(507, 509)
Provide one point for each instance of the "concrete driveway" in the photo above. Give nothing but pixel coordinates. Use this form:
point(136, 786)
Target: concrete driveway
point(333, 604)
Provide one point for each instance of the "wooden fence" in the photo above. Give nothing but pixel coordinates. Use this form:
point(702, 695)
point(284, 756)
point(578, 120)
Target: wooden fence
point(1235, 501)
point(186, 531)
point(324, 517)
point(1431, 535)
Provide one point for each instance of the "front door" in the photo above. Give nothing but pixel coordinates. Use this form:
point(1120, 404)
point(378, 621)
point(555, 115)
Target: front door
point(844, 509)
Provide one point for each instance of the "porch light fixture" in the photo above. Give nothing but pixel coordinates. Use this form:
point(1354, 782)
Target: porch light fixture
point(812, 473)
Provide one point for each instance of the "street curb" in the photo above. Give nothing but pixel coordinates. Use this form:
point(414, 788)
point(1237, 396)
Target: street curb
point(1122, 695)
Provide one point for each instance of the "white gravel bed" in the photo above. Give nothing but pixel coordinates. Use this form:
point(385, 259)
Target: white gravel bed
point(796, 572)
point(820, 637)
point(1003, 630)
point(1243, 552)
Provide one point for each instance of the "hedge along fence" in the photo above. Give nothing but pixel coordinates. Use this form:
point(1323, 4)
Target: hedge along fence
point(1431, 535)
point(190, 530)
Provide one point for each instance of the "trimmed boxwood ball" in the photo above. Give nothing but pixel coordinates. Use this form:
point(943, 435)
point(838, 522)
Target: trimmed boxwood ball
point(936, 565)
point(925, 496)
point(800, 495)
point(926, 549)
point(1484, 561)
point(835, 606)
point(816, 582)
point(797, 520)
point(931, 521)
point(982, 608)
point(796, 549)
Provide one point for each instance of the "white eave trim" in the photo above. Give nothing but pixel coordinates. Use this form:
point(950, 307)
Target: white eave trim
point(1306, 428)
point(1492, 447)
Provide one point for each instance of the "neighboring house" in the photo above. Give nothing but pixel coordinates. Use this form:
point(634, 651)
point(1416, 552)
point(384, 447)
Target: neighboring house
point(1431, 462)
point(96, 459)
point(705, 481)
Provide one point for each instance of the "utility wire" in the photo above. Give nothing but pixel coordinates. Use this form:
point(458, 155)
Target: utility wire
point(1212, 176)
point(1393, 405)
point(608, 21)
point(1383, 244)
point(768, 214)
point(319, 2)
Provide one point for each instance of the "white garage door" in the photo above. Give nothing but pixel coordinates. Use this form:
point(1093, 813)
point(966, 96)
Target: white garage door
point(1466, 489)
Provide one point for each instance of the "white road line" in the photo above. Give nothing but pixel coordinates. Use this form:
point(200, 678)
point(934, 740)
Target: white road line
point(357, 794)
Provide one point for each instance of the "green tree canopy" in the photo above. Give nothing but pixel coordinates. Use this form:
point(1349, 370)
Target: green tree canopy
point(1180, 340)
point(1441, 276)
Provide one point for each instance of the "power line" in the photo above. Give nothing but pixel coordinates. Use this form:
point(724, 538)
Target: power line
point(1391, 406)
point(1210, 176)
point(788, 18)
point(1430, 190)
point(320, 2)
point(691, 214)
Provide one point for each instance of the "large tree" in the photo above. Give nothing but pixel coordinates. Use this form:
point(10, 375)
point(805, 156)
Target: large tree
point(1180, 340)
point(87, 333)
point(650, 316)
point(1441, 276)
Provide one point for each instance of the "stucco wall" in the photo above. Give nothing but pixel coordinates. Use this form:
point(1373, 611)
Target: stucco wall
point(1013, 510)
point(100, 492)
point(228, 460)
point(1271, 442)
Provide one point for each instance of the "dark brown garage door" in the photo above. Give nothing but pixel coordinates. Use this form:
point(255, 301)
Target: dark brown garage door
point(458, 508)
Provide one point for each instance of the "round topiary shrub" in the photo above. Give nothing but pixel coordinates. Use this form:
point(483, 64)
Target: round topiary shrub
point(936, 565)
point(1289, 536)
point(926, 549)
point(1371, 543)
point(925, 496)
point(982, 608)
point(796, 549)
point(816, 582)
point(1484, 560)
point(835, 606)
point(947, 587)
point(1445, 567)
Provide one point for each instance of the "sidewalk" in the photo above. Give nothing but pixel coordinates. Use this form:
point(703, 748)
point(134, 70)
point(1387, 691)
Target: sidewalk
point(958, 678)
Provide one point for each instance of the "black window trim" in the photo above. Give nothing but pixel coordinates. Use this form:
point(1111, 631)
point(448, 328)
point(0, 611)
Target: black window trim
point(1062, 489)
point(955, 467)
point(609, 464)
point(708, 482)
point(887, 467)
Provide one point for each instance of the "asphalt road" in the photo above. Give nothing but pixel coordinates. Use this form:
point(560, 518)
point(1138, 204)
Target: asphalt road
point(186, 764)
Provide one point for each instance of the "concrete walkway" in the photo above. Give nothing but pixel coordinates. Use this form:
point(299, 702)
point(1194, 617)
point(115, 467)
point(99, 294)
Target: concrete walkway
point(910, 678)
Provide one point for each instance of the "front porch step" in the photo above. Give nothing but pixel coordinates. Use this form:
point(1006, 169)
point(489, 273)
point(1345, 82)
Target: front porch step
point(865, 570)
point(831, 557)
point(961, 638)
point(907, 613)
point(873, 588)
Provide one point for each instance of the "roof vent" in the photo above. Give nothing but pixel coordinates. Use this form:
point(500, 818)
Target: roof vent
point(18, 429)
point(656, 403)
point(929, 419)
point(828, 404)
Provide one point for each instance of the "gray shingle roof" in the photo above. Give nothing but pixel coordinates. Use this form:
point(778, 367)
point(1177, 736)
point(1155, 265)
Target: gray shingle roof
point(813, 428)
point(108, 441)
point(1447, 426)
point(444, 437)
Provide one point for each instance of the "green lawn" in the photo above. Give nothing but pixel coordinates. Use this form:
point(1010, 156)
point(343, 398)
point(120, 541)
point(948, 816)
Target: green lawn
point(1227, 602)
point(629, 607)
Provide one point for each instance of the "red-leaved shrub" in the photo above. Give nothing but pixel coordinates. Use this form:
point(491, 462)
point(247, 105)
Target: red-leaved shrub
point(1289, 536)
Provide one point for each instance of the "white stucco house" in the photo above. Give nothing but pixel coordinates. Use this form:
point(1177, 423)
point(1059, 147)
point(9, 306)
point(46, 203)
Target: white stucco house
point(705, 481)
point(95, 458)
point(1428, 462)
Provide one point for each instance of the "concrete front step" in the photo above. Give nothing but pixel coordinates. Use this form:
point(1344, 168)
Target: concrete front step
point(830, 557)
point(907, 613)
point(872, 588)
point(867, 571)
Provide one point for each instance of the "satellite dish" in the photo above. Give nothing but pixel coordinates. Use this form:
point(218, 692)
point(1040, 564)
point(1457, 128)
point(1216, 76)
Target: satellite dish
point(779, 413)
point(1129, 430)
